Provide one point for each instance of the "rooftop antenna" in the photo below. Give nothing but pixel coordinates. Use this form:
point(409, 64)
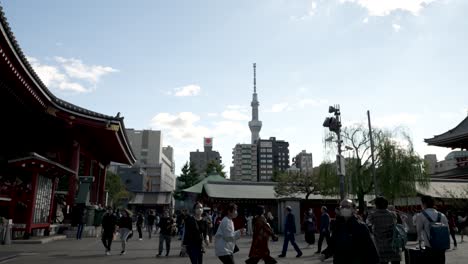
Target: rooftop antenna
point(255, 77)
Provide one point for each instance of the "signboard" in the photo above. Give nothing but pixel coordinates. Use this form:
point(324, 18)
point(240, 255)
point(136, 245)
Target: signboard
point(208, 142)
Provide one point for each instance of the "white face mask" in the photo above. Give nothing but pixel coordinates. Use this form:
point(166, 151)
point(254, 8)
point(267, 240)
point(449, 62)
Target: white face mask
point(199, 211)
point(346, 212)
point(234, 214)
point(310, 212)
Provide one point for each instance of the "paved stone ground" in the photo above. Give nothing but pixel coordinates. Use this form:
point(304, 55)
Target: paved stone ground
point(90, 250)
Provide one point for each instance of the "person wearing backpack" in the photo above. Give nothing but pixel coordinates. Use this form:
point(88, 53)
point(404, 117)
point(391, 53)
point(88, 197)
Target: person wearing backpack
point(433, 231)
point(383, 223)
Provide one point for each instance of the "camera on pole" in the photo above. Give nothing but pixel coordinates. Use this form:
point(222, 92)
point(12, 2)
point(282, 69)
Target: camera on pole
point(334, 124)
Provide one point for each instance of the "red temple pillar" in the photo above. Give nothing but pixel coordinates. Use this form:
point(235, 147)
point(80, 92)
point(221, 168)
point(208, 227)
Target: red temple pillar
point(31, 205)
point(73, 181)
point(102, 186)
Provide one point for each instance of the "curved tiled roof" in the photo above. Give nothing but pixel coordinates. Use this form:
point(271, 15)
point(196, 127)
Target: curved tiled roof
point(42, 86)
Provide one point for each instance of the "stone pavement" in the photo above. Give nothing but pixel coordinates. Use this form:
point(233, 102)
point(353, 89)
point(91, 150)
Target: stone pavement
point(90, 250)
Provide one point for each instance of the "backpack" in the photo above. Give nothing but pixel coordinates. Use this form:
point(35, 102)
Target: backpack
point(399, 238)
point(439, 236)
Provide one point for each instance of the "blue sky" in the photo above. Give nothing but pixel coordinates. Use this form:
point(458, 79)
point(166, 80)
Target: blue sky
point(185, 67)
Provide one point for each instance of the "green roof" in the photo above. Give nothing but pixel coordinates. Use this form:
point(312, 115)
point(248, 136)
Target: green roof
point(197, 188)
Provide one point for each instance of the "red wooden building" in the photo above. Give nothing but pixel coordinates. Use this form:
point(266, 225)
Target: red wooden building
point(48, 142)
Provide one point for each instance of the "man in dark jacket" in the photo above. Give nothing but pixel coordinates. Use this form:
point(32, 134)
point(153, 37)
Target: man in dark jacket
point(324, 229)
point(289, 233)
point(351, 242)
point(151, 221)
point(166, 224)
point(109, 222)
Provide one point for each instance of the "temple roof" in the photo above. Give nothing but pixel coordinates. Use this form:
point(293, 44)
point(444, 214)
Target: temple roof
point(30, 83)
point(456, 137)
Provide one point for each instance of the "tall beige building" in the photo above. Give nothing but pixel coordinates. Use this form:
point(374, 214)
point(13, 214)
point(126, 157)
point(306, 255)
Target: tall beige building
point(244, 157)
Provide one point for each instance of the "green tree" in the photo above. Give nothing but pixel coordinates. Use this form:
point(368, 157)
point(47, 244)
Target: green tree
point(398, 168)
point(294, 183)
point(116, 189)
point(188, 178)
point(215, 167)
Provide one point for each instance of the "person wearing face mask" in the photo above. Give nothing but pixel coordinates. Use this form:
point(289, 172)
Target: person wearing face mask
point(195, 234)
point(290, 233)
point(351, 241)
point(310, 226)
point(225, 237)
point(166, 223)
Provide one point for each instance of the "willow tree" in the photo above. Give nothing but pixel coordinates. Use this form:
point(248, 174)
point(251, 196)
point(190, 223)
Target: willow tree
point(398, 168)
point(294, 183)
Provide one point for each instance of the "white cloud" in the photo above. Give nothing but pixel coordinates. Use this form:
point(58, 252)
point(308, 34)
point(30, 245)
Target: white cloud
point(310, 12)
point(280, 107)
point(77, 69)
point(385, 7)
point(181, 126)
point(312, 102)
point(213, 114)
point(53, 76)
point(395, 120)
point(188, 90)
point(396, 27)
point(234, 115)
point(365, 20)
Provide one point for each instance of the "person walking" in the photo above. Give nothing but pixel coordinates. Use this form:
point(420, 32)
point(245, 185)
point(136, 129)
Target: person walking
point(290, 234)
point(166, 224)
point(324, 229)
point(125, 228)
point(453, 228)
point(271, 221)
point(150, 223)
point(310, 226)
point(383, 223)
point(262, 232)
point(195, 234)
point(351, 241)
point(226, 236)
point(428, 216)
point(249, 225)
point(80, 215)
point(139, 224)
point(109, 223)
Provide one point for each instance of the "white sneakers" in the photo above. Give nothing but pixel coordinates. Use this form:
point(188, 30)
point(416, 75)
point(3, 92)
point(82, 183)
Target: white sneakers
point(108, 253)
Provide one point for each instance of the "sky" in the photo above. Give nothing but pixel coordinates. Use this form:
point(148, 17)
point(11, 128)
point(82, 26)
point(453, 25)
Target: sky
point(185, 67)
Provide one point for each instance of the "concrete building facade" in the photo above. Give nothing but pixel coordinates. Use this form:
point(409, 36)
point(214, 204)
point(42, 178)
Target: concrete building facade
point(453, 160)
point(303, 161)
point(244, 160)
point(202, 158)
point(157, 161)
point(273, 157)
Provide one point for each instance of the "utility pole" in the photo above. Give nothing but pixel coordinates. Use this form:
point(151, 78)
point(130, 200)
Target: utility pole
point(334, 124)
point(376, 188)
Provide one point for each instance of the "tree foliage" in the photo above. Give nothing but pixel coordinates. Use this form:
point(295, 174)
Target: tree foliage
point(116, 189)
point(188, 178)
point(215, 167)
point(398, 168)
point(294, 183)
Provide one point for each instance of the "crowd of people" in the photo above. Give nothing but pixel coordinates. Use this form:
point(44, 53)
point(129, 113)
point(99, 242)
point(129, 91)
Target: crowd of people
point(378, 237)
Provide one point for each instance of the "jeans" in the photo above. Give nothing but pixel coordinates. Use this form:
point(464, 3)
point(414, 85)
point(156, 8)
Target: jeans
point(140, 232)
point(124, 232)
point(107, 239)
point(227, 259)
point(452, 233)
point(79, 231)
point(195, 254)
point(287, 238)
point(163, 238)
point(323, 235)
point(150, 230)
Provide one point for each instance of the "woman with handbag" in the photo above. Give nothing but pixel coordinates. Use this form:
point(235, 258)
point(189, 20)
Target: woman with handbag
point(225, 238)
point(195, 234)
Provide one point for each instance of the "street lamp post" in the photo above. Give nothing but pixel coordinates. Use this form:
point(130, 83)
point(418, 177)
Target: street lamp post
point(334, 124)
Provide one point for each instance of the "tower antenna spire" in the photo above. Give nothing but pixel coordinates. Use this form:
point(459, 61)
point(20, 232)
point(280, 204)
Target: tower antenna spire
point(255, 77)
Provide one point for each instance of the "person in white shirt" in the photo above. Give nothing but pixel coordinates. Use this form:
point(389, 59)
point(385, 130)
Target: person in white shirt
point(423, 229)
point(226, 236)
